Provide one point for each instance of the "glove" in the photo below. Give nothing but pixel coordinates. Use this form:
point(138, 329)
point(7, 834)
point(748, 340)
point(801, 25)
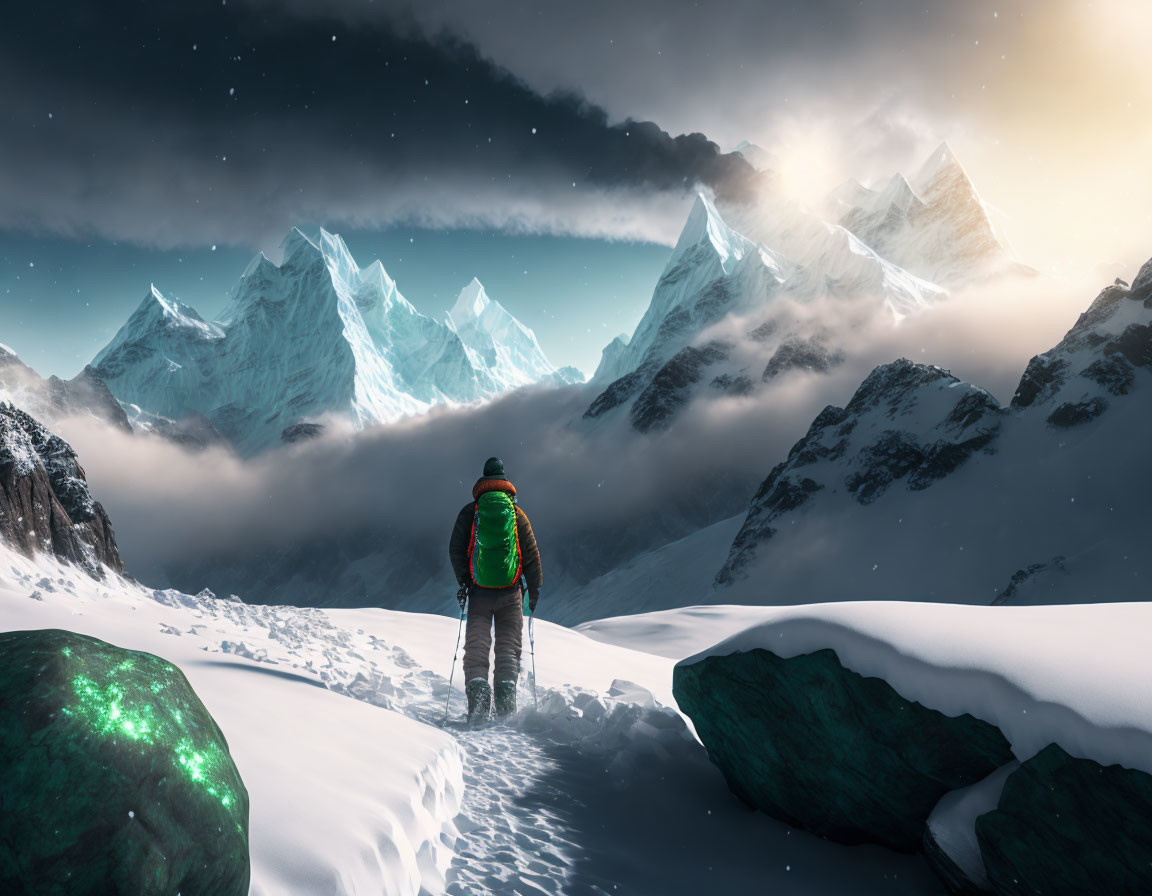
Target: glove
point(532, 598)
point(462, 595)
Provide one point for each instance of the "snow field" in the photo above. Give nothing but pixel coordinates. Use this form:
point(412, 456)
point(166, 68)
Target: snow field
point(600, 790)
point(345, 797)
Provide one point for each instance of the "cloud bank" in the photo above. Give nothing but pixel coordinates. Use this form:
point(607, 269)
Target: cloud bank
point(364, 518)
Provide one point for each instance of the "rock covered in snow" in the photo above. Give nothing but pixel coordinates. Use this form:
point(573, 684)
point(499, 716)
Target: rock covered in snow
point(116, 777)
point(907, 423)
point(828, 750)
point(45, 503)
point(316, 334)
point(1069, 825)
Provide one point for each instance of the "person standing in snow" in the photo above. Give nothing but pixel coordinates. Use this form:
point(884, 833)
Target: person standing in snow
point(495, 558)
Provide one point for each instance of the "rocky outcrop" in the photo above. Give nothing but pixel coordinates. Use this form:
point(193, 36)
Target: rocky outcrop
point(1066, 825)
point(669, 389)
point(620, 391)
point(831, 751)
point(881, 438)
point(116, 777)
point(301, 432)
point(802, 354)
point(45, 503)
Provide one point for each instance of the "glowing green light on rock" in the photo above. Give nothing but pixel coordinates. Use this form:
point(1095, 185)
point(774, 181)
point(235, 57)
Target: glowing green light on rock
point(67, 651)
point(122, 703)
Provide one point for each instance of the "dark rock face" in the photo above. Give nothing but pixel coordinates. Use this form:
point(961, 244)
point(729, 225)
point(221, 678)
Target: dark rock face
point(733, 385)
point(1135, 345)
point(835, 454)
point(301, 432)
point(619, 391)
point(1066, 825)
point(1114, 374)
point(823, 748)
point(893, 457)
point(1041, 378)
point(1073, 413)
point(45, 503)
point(669, 390)
point(116, 778)
point(810, 355)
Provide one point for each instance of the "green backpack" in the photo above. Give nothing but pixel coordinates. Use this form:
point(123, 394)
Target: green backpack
point(494, 548)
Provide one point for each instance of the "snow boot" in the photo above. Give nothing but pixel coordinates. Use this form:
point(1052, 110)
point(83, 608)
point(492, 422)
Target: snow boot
point(505, 699)
point(479, 701)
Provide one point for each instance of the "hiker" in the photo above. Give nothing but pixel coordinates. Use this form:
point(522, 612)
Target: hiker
point(495, 559)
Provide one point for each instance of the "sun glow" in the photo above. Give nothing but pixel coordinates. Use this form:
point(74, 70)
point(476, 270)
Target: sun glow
point(805, 169)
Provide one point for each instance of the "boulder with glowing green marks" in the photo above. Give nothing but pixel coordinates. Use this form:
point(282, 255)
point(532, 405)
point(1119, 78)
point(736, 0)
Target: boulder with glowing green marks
point(115, 778)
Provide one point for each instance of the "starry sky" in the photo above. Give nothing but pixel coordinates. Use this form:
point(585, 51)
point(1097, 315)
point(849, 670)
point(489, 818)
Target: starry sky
point(551, 149)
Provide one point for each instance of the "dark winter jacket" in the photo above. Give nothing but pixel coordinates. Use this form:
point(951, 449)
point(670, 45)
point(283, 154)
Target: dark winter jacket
point(462, 534)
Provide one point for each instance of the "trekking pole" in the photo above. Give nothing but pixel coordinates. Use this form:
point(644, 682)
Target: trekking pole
point(532, 651)
point(455, 653)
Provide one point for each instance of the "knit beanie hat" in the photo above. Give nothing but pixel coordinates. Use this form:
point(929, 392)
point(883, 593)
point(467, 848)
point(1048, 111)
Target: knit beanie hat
point(494, 468)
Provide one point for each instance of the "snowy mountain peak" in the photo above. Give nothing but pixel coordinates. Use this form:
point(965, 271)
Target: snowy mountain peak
point(312, 336)
point(158, 311)
point(472, 302)
point(942, 161)
point(705, 227)
point(934, 225)
point(295, 242)
point(337, 257)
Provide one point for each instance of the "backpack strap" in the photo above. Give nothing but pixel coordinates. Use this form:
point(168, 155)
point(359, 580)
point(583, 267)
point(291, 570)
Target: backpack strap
point(472, 540)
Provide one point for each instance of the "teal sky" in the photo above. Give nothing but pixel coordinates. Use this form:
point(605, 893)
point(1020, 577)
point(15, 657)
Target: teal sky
point(62, 300)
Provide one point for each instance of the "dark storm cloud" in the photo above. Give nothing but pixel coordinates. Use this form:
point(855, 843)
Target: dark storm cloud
point(737, 68)
point(173, 123)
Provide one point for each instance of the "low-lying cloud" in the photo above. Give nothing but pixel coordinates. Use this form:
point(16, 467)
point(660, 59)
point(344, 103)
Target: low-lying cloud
point(596, 494)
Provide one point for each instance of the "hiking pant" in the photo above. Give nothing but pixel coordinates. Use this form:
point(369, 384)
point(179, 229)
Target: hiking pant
point(503, 611)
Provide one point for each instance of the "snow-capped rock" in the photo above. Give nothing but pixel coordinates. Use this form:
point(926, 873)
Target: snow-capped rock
point(1015, 490)
point(849, 759)
point(936, 226)
point(314, 335)
point(45, 504)
point(1058, 689)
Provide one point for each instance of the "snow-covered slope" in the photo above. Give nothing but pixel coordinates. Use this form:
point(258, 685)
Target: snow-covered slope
point(924, 487)
point(936, 226)
point(346, 797)
point(330, 717)
point(314, 336)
